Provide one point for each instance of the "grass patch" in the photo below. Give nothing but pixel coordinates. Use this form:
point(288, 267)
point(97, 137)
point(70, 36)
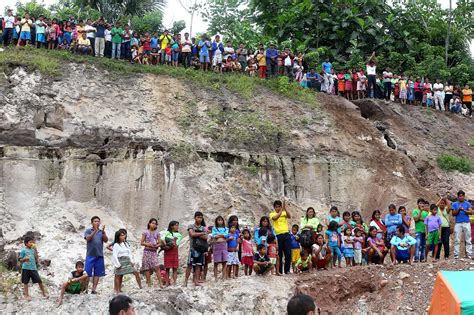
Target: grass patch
point(188, 116)
point(448, 162)
point(182, 153)
point(48, 63)
point(251, 169)
point(244, 128)
point(471, 143)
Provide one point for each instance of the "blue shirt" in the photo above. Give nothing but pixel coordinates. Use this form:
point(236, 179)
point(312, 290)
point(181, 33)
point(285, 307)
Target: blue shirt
point(333, 238)
point(100, 31)
point(95, 247)
point(216, 46)
point(204, 48)
point(256, 236)
point(397, 241)
point(392, 221)
point(31, 263)
point(315, 75)
point(221, 230)
point(295, 244)
point(462, 217)
point(327, 66)
point(194, 50)
point(154, 42)
point(233, 243)
point(272, 53)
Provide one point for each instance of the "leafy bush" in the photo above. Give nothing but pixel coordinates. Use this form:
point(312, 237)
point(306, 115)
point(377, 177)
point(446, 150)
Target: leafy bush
point(448, 162)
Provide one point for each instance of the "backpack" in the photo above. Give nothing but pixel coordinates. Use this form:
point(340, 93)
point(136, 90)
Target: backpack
point(306, 238)
point(200, 245)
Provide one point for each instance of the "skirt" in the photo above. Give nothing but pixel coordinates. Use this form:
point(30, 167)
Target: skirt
point(126, 266)
point(149, 260)
point(247, 261)
point(403, 94)
point(348, 252)
point(340, 86)
point(171, 259)
point(348, 85)
point(220, 252)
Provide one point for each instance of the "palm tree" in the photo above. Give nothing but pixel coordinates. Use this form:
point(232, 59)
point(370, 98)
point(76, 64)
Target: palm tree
point(113, 10)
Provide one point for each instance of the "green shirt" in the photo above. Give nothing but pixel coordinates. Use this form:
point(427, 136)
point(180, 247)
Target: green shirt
point(117, 35)
point(313, 222)
point(169, 235)
point(420, 224)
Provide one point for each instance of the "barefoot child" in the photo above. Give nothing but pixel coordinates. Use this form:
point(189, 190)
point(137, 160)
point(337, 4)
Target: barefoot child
point(358, 242)
point(171, 258)
point(76, 284)
point(273, 252)
point(233, 252)
point(334, 242)
point(29, 269)
point(348, 240)
point(261, 262)
point(151, 241)
point(220, 233)
point(247, 252)
point(433, 229)
point(295, 246)
point(304, 262)
point(122, 260)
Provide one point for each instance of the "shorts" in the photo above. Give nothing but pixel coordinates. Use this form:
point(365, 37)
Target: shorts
point(74, 288)
point(358, 256)
point(216, 59)
point(273, 260)
point(295, 255)
point(348, 252)
point(433, 237)
point(41, 38)
point(403, 255)
point(233, 258)
point(95, 266)
point(263, 269)
point(26, 275)
point(175, 56)
point(204, 58)
point(168, 58)
point(25, 36)
point(247, 261)
point(220, 252)
point(195, 258)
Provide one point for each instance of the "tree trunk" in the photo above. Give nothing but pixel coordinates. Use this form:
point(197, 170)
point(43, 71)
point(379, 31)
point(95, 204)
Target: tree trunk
point(448, 33)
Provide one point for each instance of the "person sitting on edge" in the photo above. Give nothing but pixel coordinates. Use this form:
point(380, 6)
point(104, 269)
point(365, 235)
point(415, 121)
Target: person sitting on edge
point(403, 247)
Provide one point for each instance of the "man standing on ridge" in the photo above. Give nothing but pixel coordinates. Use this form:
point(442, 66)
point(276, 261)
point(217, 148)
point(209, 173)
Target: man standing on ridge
point(95, 238)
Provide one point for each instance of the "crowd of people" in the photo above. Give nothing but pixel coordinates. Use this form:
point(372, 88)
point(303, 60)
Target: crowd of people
point(101, 39)
point(273, 246)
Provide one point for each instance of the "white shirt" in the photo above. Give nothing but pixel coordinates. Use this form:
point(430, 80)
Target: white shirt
point(9, 21)
point(438, 86)
point(371, 70)
point(288, 61)
point(228, 51)
point(108, 36)
point(120, 250)
point(90, 30)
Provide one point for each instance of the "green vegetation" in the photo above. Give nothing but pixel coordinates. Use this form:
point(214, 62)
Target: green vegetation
point(182, 153)
point(48, 62)
point(448, 162)
point(471, 143)
point(244, 128)
point(252, 169)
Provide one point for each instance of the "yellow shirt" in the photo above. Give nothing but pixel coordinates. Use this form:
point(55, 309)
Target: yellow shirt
point(281, 224)
point(84, 42)
point(165, 40)
point(262, 60)
point(79, 30)
point(25, 27)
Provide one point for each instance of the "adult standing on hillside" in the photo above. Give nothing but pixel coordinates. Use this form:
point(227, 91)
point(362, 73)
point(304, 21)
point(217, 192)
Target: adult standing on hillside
point(164, 40)
point(438, 89)
point(272, 62)
point(95, 238)
point(9, 21)
point(387, 82)
point(280, 216)
point(467, 98)
point(461, 211)
point(328, 78)
point(371, 74)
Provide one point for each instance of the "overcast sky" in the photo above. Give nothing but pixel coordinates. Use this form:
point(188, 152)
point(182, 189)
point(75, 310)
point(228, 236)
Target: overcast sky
point(174, 12)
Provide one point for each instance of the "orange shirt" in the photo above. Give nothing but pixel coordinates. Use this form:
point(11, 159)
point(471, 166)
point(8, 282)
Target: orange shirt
point(467, 95)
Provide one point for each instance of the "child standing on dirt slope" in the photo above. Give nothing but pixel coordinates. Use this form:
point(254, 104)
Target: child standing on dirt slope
point(348, 240)
point(151, 241)
point(433, 229)
point(273, 253)
point(233, 252)
point(247, 252)
point(419, 215)
point(334, 242)
point(295, 246)
point(358, 242)
point(220, 234)
point(29, 267)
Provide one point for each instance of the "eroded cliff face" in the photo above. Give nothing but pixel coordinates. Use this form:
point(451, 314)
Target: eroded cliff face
point(135, 147)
